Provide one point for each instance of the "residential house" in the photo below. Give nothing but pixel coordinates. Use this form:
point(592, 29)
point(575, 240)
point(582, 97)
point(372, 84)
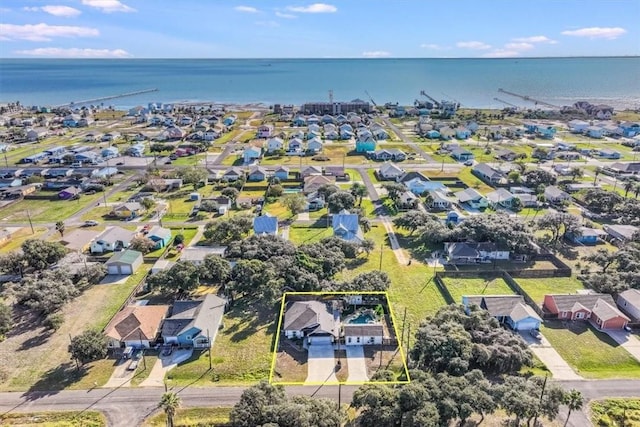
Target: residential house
point(621, 233)
point(314, 145)
point(313, 182)
point(506, 155)
point(230, 120)
point(365, 145)
point(607, 153)
point(265, 224)
point(331, 135)
point(599, 308)
point(295, 145)
point(265, 131)
point(432, 134)
point(595, 132)
point(508, 309)
point(160, 236)
point(173, 133)
point(299, 121)
point(629, 301)
point(312, 321)
point(617, 168)
point(390, 171)
point(274, 144)
point(71, 121)
point(380, 134)
point(487, 173)
point(363, 334)
point(135, 326)
point(327, 118)
point(547, 132)
point(197, 254)
point(282, 173)
point(472, 198)
point(346, 134)
point(438, 199)
point(136, 150)
point(629, 129)
point(338, 172)
point(112, 239)
point(124, 262)
point(553, 194)
point(408, 200)
point(223, 203)
point(306, 171)
point(69, 193)
point(346, 226)
point(586, 235)
point(612, 130)
point(501, 197)
point(462, 133)
point(251, 154)
point(461, 154)
point(257, 173)
point(36, 134)
point(577, 126)
point(128, 210)
point(110, 136)
point(232, 174)
point(194, 323)
point(527, 200)
point(474, 252)
point(164, 184)
point(109, 152)
point(10, 182)
point(385, 154)
point(419, 184)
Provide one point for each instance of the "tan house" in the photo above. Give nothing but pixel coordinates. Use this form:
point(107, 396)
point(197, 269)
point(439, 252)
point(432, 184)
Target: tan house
point(135, 326)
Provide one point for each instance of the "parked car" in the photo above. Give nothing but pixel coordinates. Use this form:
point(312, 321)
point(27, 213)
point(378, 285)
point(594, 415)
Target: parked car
point(167, 351)
point(90, 223)
point(468, 163)
point(535, 334)
point(133, 365)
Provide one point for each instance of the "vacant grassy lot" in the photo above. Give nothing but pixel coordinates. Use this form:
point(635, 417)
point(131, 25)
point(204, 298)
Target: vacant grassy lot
point(615, 412)
point(242, 350)
point(490, 286)
point(55, 419)
point(300, 234)
point(538, 288)
point(46, 210)
point(192, 417)
point(591, 353)
point(20, 236)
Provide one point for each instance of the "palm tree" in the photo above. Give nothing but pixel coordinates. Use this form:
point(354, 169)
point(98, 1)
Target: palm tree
point(627, 187)
point(574, 401)
point(169, 403)
point(595, 175)
point(636, 190)
point(60, 228)
point(365, 224)
point(358, 190)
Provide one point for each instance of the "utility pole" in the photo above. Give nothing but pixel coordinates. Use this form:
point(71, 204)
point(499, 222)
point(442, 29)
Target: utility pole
point(404, 318)
point(544, 385)
point(30, 223)
point(209, 345)
point(380, 266)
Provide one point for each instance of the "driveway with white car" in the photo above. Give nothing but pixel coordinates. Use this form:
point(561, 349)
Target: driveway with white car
point(321, 364)
point(356, 364)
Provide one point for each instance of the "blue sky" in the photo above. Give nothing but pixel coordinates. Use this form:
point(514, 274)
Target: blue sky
point(299, 29)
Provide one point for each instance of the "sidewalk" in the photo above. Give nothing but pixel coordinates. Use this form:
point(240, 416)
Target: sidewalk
point(550, 357)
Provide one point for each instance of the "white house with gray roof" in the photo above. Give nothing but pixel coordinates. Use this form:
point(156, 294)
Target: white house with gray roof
point(312, 320)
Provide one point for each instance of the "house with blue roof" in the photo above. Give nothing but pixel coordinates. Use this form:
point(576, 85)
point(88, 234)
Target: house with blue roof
point(346, 226)
point(595, 132)
point(160, 236)
point(629, 129)
point(461, 154)
point(265, 224)
point(364, 145)
point(229, 121)
point(462, 133)
point(110, 152)
point(547, 132)
point(508, 309)
point(432, 134)
point(87, 157)
point(71, 121)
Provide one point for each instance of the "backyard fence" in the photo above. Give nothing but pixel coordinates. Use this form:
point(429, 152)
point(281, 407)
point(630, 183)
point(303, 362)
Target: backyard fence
point(518, 290)
point(129, 299)
point(442, 287)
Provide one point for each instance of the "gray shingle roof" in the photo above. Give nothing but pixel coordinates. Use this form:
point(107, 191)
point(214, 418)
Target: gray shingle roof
point(200, 314)
point(309, 316)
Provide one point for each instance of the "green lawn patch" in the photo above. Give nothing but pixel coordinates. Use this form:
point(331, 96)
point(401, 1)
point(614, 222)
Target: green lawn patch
point(615, 412)
point(299, 234)
point(593, 354)
point(472, 181)
point(538, 288)
point(46, 210)
point(192, 417)
point(491, 286)
point(20, 236)
point(55, 419)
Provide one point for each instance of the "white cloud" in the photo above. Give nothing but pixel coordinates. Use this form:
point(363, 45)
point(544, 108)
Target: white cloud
point(314, 8)
point(475, 45)
point(55, 10)
point(58, 52)
point(376, 54)
point(433, 46)
point(269, 24)
point(518, 46)
point(609, 33)
point(285, 15)
point(501, 53)
point(108, 6)
point(43, 32)
point(246, 9)
point(534, 39)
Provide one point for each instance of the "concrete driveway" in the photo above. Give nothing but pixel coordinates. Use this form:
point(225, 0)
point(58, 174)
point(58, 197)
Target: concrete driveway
point(321, 364)
point(550, 357)
point(628, 341)
point(356, 364)
point(121, 376)
point(163, 365)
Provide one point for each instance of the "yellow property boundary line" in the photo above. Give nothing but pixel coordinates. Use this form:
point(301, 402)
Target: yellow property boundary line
point(325, 294)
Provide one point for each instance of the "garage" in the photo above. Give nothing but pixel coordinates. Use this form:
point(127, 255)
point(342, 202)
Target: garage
point(527, 324)
point(320, 339)
point(124, 263)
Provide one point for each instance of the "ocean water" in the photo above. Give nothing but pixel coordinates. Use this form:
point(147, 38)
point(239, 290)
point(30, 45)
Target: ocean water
point(472, 82)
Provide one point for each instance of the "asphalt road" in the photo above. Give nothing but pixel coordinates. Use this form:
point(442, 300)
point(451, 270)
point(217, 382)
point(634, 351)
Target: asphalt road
point(129, 406)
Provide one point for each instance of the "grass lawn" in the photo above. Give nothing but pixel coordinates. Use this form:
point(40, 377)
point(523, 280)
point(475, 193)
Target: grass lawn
point(228, 136)
point(492, 286)
point(191, 417)
point(372, 176)
point(241, 353)
point(591, 353)
point(538, 288)
point(300, 234)
point(46, 210)
point(472, 181)
point(142, 373)
point(55, 419)
point(277, 209)
point(610, 412)
point(20, 236)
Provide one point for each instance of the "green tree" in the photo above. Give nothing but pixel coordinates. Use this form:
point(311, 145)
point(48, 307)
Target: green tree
point(142, 244)
point(559, 224)
point(536, 177)
point(231, 193)
point(182, 276)
point(225, 231)
point(216, 269)
point(148, 203)
point(6, 320)
point(193, 175)
point(358, 191)
point(89, 346)
point(574, 401)
point(275, 190)
point(394, 190)
point(169, 403)
point(368, 245)
point(413, 220)
point(295, 203)
point(628, 185)
point(340, 200)
point(576, 173)
point(40, 254)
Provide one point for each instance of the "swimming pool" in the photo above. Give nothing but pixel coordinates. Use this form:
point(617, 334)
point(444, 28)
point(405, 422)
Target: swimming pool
point(362, 318)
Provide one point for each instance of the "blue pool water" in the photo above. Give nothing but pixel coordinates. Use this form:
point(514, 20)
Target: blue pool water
point(362, 318)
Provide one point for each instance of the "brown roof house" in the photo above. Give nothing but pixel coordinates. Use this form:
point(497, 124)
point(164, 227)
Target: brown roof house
point(135, 326)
